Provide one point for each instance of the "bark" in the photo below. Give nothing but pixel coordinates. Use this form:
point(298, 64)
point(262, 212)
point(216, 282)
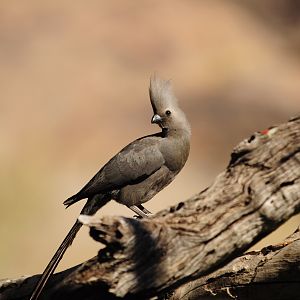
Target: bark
point(258, 191)
point(272, 273)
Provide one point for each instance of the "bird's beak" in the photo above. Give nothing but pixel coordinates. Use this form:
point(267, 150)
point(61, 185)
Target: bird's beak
point(156, 119)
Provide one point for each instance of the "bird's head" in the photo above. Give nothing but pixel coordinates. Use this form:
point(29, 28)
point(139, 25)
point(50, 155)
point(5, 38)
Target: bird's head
point(167, 113)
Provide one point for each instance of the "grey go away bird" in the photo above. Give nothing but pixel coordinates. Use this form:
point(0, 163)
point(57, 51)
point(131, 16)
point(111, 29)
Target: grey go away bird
point(138, 172)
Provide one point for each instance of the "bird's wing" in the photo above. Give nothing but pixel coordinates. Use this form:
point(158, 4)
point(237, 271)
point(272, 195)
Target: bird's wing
point(132, 164)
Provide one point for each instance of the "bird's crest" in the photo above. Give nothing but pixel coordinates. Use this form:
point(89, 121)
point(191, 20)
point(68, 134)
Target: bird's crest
point(161, 93)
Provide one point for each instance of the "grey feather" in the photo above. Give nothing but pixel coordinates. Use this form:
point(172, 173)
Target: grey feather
point(132, 164)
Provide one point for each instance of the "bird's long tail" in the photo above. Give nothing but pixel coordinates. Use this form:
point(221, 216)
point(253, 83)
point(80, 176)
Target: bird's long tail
point(90, 208)
point(55, 260)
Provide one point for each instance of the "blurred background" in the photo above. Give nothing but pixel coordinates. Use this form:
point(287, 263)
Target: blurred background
point(74, 81)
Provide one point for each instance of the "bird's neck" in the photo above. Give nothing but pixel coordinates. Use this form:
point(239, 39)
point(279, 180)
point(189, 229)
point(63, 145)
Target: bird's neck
point(174, 132)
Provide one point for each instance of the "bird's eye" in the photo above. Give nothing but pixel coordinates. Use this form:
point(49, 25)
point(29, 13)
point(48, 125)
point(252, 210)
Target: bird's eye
point(168, 113)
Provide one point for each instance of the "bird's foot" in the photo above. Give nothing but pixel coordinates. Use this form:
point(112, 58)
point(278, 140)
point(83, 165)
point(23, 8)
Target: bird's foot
point(144, 209)
point(140, 213)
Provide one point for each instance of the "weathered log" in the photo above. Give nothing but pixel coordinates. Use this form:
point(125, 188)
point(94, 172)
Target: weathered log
point(258, 191)
point(272, 273)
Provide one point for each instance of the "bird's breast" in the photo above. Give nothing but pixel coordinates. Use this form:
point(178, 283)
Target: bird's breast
point(176, 152)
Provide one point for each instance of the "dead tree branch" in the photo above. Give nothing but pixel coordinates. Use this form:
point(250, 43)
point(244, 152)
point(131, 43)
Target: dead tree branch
point(272, 273)
point(258, 191)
